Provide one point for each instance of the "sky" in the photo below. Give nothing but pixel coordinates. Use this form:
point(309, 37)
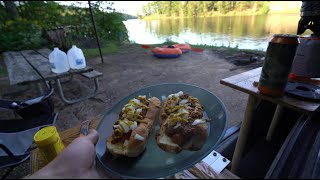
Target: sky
point(128, 7)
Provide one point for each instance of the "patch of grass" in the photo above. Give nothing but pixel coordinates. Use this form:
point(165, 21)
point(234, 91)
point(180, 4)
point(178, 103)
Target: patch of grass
point(108, 47)
point(227, 49)
point(235, 50)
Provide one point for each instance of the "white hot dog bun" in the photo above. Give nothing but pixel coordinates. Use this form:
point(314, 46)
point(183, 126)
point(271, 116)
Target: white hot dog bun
point(182, 125)
point(132, 130)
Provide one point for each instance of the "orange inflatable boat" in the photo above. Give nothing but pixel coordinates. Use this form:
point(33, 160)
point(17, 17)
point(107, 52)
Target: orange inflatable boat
point(184, 47)
point(167, 52)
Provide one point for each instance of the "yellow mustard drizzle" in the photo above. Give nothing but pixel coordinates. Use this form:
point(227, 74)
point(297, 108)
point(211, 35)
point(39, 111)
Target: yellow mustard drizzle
point(193, 98)
point(175, 108)
point(174, 118)
point(135, 116)
point(142, 97)
point(174, 98)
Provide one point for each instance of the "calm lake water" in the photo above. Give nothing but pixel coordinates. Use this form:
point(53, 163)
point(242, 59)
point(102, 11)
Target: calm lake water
point(244, 32)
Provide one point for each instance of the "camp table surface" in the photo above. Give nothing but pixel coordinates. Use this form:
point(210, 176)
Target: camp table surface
point(247, 82)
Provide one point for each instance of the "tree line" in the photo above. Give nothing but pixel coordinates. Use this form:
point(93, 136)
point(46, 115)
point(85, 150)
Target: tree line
point(200, 8)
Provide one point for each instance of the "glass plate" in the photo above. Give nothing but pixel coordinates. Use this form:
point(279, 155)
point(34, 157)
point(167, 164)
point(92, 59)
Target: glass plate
point(154, 162)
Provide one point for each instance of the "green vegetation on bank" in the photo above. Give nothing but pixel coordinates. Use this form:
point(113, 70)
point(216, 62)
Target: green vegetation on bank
point(115, 47)
point(162, 9)
point(108, 47)
point(24, 24)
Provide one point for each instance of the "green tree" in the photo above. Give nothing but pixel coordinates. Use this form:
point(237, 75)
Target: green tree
point(167, 7)
point(243, 5)
point(196, 8)
point(28, 30)
point(175, 7)
point(264, 7)
point(224, 6)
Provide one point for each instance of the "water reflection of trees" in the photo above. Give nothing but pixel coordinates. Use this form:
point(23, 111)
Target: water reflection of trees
point(238, 26)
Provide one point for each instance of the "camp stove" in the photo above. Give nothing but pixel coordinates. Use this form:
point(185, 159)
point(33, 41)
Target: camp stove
point(306, 62)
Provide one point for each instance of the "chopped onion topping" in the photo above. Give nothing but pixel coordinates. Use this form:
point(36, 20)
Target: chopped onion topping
point(173, 103)
point(138, 137)
point(175, 95)
point(125, 127)
point(139, 110)
point(126, 143)
point(134, 125)
point(129, 107)
point(183, 111)
point(136, 100)
point(176, 126)
point(116, 126)
point(182, 102)
point(198, 121)
point(143, 97)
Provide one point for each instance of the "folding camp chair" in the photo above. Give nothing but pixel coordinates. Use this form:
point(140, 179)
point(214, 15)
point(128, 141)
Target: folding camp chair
point(16, 135)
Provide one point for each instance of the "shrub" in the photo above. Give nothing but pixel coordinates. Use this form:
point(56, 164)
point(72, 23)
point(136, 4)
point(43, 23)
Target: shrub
point(20, 34)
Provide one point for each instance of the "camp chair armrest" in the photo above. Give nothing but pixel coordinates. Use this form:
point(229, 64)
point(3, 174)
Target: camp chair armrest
point(6, 104)
point(39, 99)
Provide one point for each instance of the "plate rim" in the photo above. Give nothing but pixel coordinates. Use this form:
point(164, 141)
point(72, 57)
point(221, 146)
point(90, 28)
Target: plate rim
point(185, 167)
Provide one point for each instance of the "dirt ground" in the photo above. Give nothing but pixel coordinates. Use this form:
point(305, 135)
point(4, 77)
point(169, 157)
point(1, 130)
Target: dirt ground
point(134, 68)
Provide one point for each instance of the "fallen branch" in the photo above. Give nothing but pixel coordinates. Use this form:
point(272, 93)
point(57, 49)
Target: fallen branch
point(255, 53)
point(247, 66)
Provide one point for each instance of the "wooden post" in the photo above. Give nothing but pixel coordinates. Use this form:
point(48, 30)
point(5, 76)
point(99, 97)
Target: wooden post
point(275, 120)
point(95, 30)
point(244, 132)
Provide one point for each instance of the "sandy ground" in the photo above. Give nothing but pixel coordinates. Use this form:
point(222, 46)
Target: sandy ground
point(134, 68)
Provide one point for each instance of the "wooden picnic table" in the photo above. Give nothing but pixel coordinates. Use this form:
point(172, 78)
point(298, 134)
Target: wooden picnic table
point(20, 67)
point(247, 83)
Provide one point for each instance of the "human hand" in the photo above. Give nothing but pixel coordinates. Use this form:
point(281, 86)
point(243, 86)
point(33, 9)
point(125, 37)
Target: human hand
point(76, 161)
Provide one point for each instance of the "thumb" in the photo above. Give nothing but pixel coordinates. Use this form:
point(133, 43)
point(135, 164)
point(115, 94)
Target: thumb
point(93, 136)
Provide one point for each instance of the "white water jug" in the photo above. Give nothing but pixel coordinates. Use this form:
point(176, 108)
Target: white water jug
point(59, 61)
point(76, 58)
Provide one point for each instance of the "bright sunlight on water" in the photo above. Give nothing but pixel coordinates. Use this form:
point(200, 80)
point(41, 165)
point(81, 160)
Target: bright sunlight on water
point(243, 32)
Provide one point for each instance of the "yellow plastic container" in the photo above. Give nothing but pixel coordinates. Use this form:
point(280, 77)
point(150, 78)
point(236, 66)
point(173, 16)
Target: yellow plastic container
point(49, 142)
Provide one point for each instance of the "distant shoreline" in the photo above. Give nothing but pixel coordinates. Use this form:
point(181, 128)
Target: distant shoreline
point(231, 14)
